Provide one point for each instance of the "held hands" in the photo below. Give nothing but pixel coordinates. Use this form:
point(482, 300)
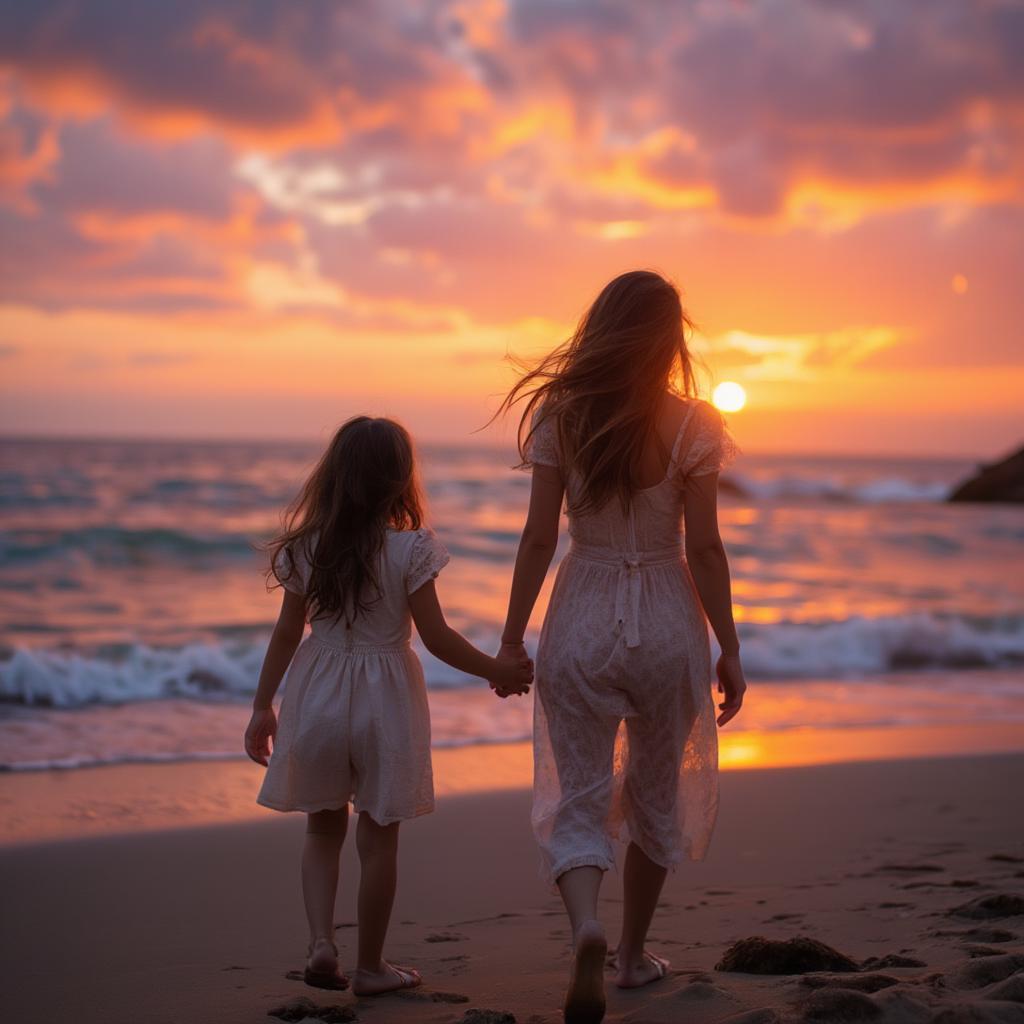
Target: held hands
point(514, 673)
point(261, 730)
point(731, 683)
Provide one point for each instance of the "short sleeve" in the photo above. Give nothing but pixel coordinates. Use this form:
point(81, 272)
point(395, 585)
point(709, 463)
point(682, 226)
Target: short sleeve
point(705, 444)
point(427, 558)
point(290, 574)
point(542, 443)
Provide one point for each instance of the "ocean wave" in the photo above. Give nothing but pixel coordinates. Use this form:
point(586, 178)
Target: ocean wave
point(228, 670)
point(800, 487)
point(106, 545)
point(871, 646)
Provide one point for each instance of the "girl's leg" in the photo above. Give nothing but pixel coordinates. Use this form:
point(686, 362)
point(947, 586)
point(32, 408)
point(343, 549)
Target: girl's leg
point(325, 834)
point(378, 859)
point(642, 883)
point(584, 1002)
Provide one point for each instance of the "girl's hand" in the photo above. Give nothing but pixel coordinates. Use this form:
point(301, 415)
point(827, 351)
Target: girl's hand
point(514, 673)
point(261, 730)
point(730, 682)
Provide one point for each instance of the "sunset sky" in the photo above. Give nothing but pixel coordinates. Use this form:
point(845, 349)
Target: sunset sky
point(256, 218)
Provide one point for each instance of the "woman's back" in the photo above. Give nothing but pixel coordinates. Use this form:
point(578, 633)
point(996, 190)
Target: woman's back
point(695, 439)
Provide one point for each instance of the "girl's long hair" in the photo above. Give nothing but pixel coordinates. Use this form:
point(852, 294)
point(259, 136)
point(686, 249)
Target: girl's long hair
point(364, 483)
point(602, 389)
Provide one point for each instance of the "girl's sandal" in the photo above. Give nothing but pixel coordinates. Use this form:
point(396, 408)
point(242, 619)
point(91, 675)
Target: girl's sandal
point(332, 980)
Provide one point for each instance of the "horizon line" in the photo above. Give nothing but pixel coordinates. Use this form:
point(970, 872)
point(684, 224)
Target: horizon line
point(165, 439)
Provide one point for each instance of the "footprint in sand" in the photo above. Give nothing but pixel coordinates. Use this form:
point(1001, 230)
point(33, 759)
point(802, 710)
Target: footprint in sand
point(476, 1016)
point(869, 983)
point(419, 995)
point(445, 937)
point(305, 1009)
point(909, 869)
point(763, 1015)
point(891, 960)
point(977, 934)
point(978, 951)
point(1011, 990)
point(995, 905)
point(837, 1004)
point(484, 920)
point(985, 971)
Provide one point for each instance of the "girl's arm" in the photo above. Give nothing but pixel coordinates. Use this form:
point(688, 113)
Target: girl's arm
point(709, 567)
point(536, 549)
point(287, 635)
point(453, 648)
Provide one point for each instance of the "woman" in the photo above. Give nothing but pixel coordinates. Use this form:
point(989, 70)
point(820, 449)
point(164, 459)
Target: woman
point(624, 731)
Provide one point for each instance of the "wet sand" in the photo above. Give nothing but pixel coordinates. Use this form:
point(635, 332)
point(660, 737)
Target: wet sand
point(916, 859)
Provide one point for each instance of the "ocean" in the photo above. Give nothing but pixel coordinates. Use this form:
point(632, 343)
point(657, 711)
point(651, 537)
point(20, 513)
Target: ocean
point(134, 611)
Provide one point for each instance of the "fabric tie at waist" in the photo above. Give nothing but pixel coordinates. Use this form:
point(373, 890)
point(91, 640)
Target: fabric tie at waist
point(631, 565)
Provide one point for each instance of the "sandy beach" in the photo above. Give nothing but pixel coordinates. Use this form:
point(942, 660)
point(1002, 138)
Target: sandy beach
point(917, 859)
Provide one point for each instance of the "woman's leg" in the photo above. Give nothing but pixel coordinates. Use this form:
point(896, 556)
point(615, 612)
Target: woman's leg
point(580, 888)
point(378, 859)
point(584, 1001)
point(650, 805)
point(573, 784)
point(325, 834)
point(643, 880)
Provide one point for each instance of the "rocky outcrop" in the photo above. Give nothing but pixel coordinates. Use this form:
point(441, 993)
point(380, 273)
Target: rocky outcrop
point(998, 481)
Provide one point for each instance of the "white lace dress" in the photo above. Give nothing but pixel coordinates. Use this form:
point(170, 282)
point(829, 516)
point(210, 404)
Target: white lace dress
point(625, 741)
point(354, 720)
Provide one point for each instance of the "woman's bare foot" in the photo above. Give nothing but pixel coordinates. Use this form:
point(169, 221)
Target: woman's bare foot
point(640, 971)
point(584, 1002)
point(388, 979)
point(322, 966)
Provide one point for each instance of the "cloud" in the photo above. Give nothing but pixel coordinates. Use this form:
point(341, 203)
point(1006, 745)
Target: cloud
point(398, 165)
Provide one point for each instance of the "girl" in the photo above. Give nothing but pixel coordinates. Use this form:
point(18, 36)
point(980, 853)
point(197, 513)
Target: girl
point(624, 640)
point(355, 561)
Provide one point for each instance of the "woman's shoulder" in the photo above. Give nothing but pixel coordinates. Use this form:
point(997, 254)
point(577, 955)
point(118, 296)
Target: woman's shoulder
point(703, 442)
point(687, 408)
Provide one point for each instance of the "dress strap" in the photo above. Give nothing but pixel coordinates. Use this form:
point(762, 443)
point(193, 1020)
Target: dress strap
point(673, 462)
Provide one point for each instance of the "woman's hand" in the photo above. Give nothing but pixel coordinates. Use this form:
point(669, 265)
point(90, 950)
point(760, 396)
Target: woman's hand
point(731, 683)
point(261, 730)
point(515, 671)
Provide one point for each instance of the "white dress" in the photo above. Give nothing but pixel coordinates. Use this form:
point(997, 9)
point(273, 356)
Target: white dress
point(625, 741)
point(354, 721)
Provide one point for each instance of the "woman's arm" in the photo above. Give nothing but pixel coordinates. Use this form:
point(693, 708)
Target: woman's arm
point(533, 559)
point(454, 649)
point(287, 635)
point(709, 567)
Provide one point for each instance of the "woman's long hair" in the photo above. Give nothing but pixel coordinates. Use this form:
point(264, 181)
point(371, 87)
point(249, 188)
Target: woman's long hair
point(602, 389)
point(364, 483)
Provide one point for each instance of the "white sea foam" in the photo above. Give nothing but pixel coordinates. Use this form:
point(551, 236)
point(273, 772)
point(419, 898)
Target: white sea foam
point(780, 650)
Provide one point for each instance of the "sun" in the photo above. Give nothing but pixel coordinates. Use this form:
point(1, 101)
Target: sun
point(729, 396)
